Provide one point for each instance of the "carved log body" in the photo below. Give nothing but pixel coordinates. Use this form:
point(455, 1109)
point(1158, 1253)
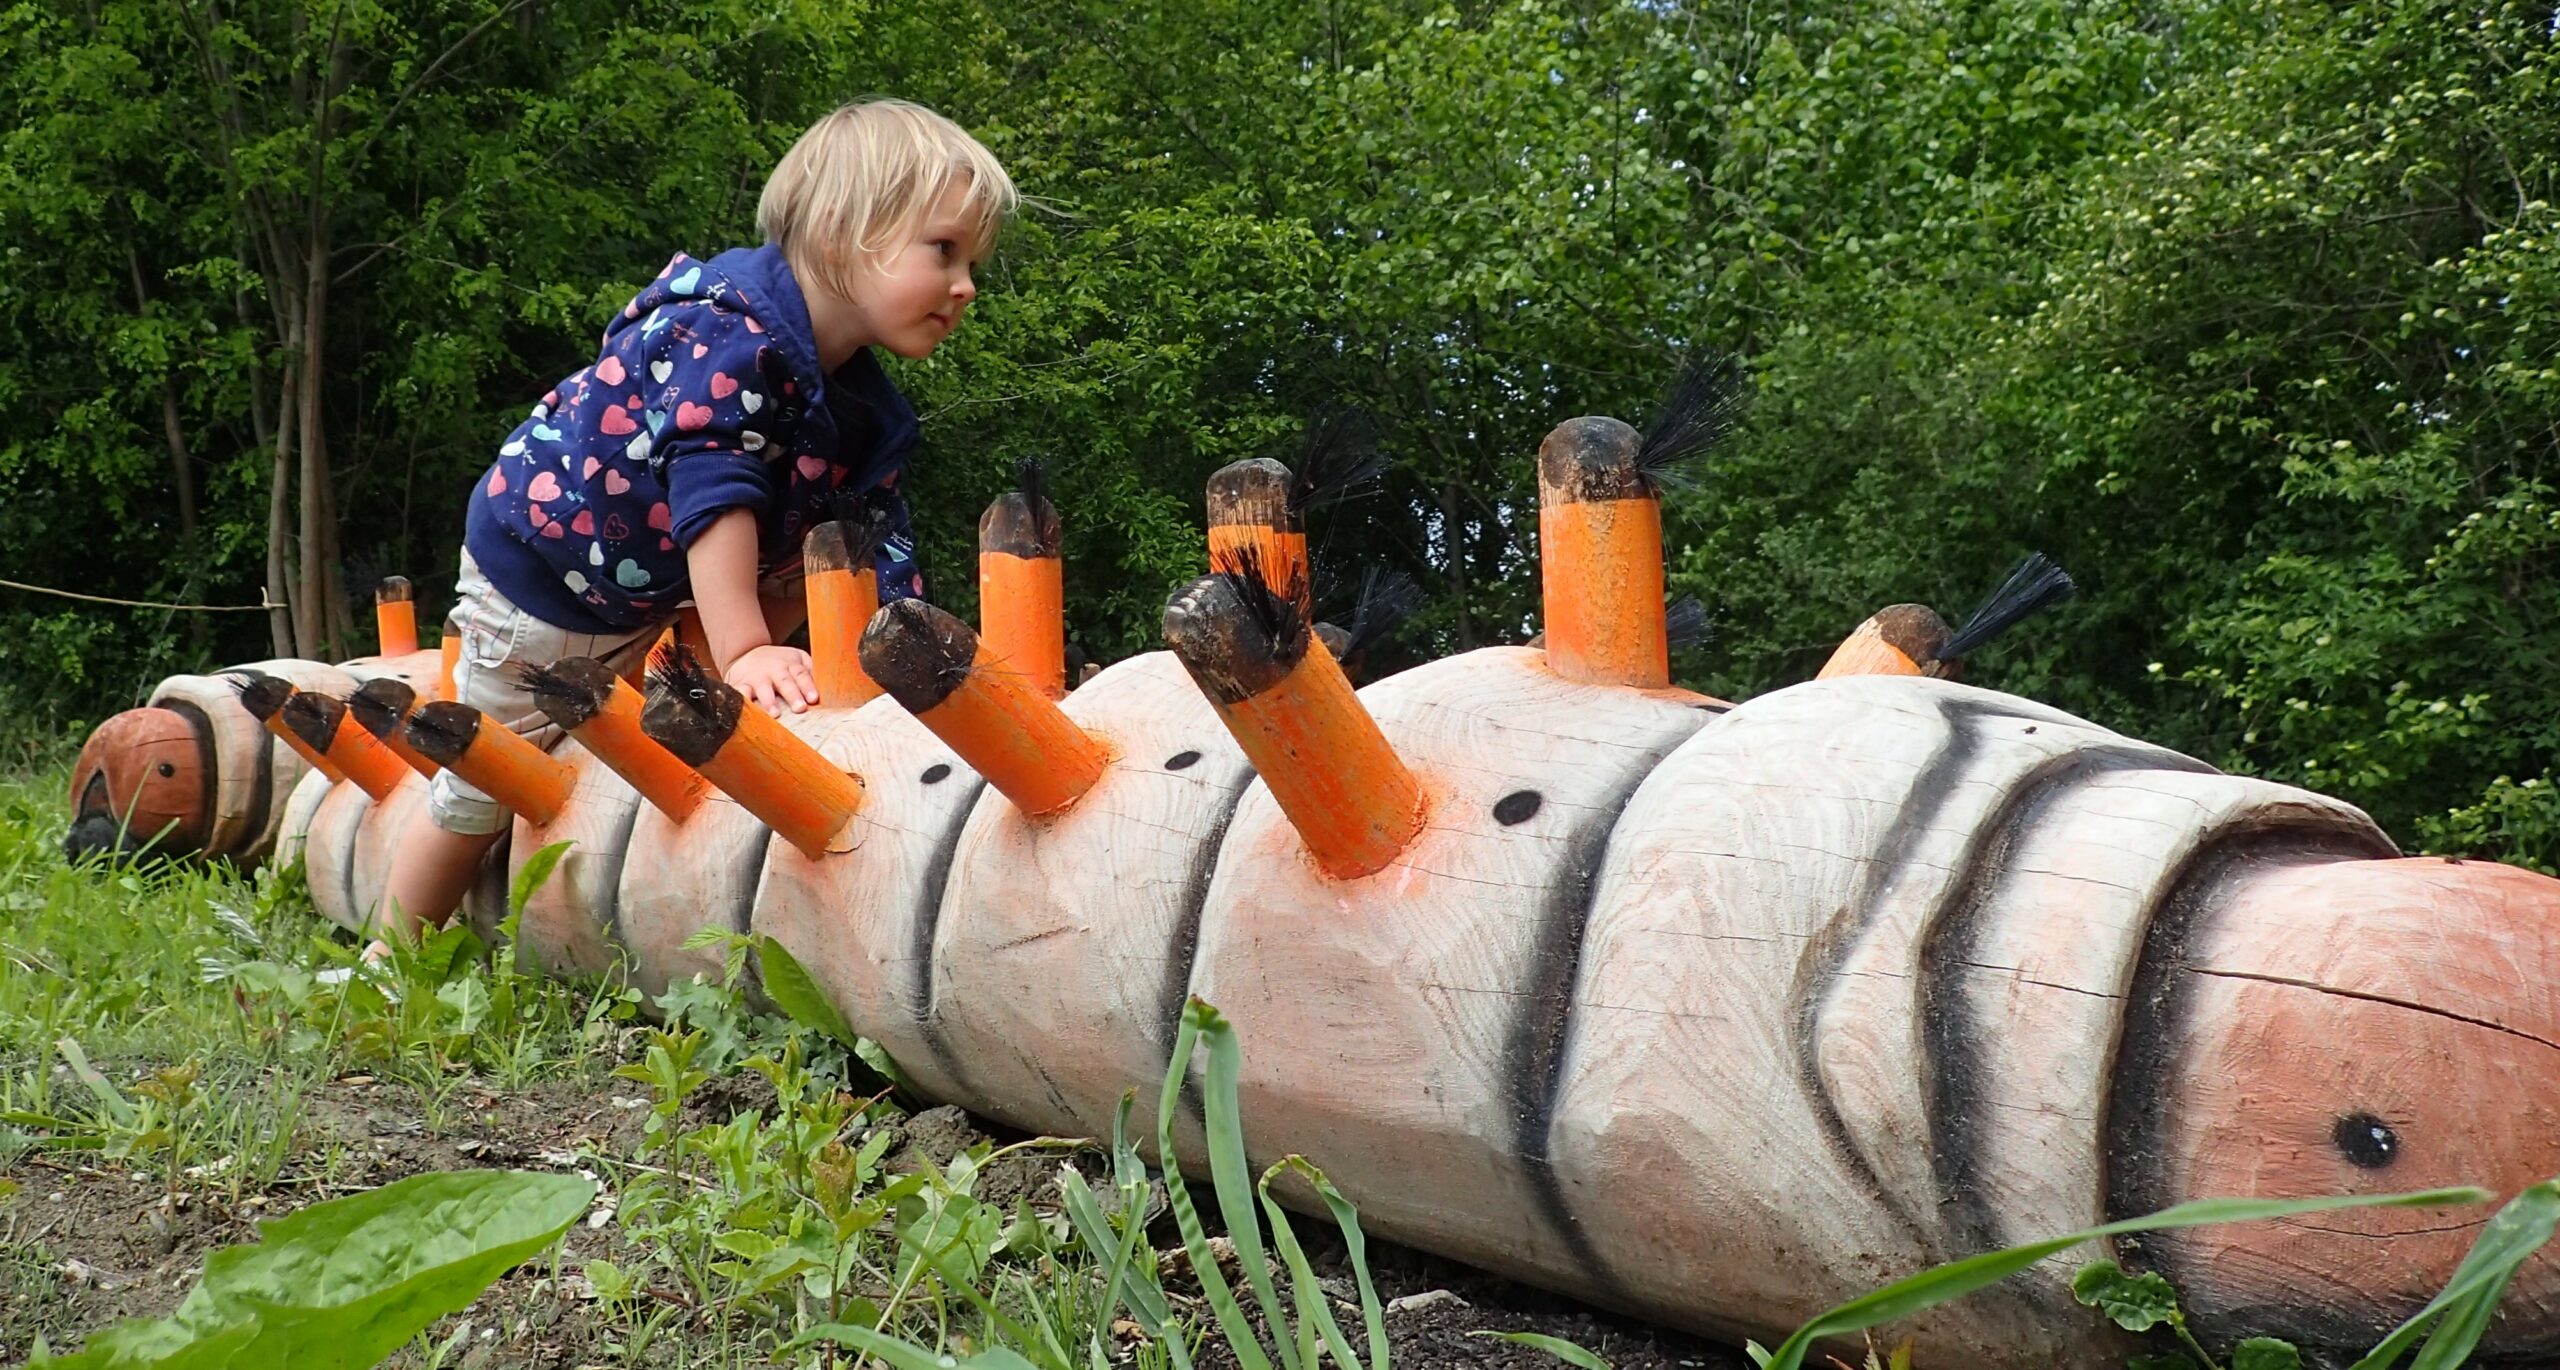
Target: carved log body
point(1720, 1016)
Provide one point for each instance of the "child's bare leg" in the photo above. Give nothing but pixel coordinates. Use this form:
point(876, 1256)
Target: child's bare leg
point(430, 873)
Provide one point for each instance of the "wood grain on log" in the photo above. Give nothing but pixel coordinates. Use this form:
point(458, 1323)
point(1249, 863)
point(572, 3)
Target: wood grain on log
point(1103, 897)
point(1413, 1013)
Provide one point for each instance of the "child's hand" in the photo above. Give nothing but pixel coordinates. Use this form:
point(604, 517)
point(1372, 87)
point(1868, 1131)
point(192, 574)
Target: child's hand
point(773, 676)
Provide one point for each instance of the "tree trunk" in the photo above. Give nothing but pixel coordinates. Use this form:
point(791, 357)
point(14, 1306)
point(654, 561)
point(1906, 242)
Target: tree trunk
point(1453, 539)
point(280, 593)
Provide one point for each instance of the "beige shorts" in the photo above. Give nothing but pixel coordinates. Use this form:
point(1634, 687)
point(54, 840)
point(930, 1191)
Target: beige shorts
point(499, 640)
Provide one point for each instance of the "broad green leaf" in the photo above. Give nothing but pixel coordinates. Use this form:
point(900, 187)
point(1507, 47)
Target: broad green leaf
point(1568, 1352)
point(342, 1284)
point(2136, 1303)
point(2265, 1353)
point(793, 990)
point(537, 869)
point(1954, 1280)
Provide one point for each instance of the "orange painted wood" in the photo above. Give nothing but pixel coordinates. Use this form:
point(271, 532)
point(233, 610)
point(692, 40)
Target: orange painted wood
point(1009, 731)
point(785, 782)
point(395, 627)
point(2419, 997)
point(1600, 568)
point(1022, 618)
point(1352, 800)
point(150, 773)
point(840, 604)
point(1280, 553)
point(615, 737)
point(519, 775)
point(362, 758)
point(448, 656)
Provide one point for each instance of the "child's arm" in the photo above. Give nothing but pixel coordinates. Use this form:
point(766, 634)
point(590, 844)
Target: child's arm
point(721, 563)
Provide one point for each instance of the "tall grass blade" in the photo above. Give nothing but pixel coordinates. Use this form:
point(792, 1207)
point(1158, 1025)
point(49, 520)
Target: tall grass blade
point(2454, 1319)
point(1571, 1353)
point(1186, 1219)
point(1314, 1318)
point(902, 1354)
point(1954, 1280)
point(1232, 1176)
point(1355, 1245)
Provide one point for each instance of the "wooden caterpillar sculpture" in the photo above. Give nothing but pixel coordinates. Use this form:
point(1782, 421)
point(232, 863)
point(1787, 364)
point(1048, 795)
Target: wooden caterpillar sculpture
point(1722, 1014)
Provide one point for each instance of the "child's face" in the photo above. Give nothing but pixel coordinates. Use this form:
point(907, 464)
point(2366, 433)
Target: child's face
point(913, 294)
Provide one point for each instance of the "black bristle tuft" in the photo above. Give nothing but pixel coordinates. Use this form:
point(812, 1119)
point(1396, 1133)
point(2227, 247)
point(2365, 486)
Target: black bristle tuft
point(866, 533)
point(1686, 625)
point(675, 671)
point(1031, 481)
point(262, 694)
point(1338, 455)
point(1276, 610)
point(1387, 599)
point(378, 706)
point(2034, 585)
point(442, 730)
point(539, 681)
point(1705, 405)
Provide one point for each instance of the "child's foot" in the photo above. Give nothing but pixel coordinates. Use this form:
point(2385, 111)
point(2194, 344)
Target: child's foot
point(376, 952)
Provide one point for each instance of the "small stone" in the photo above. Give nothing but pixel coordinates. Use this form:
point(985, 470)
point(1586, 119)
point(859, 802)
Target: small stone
point(1426, 1300)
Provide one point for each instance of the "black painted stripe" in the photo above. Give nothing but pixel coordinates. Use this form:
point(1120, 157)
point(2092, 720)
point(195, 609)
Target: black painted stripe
point(1819, 968)
point(1953, 1038)
point(742, 919)
point(208, 766)
point(2134, 1130)
point(1533, 1056)
point(1184, 959)
point(618, 847)
point(928, 918)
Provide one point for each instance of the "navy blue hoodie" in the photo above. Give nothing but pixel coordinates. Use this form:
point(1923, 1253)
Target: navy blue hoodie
point(707, 396)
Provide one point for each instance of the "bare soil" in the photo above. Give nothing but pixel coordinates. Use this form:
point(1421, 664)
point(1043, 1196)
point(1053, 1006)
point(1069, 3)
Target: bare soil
point(84, 1245)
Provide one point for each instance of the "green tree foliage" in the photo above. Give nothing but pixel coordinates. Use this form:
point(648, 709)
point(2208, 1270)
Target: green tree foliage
point(2244, 312)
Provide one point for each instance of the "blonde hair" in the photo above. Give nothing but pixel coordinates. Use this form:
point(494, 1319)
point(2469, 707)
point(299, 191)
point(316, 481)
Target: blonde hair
point(860, 181)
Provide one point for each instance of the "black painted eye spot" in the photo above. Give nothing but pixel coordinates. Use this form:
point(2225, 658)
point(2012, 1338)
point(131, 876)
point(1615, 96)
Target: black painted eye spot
point(936, 773)
point(1517, 807)
point(167, 770)
point(2366, 1141)
point(1181, 760)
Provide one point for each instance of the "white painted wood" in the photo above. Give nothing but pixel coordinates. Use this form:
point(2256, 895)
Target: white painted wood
point(567, 928)
point(861, 921)
point(1383, 1019)
point(1063, 952)
point(330, 856)
point(417, 670)
point(294, 814)
point(1745, 1118)
point(679, 878)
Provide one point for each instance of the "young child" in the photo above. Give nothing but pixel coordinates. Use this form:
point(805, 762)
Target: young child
point(731, 402)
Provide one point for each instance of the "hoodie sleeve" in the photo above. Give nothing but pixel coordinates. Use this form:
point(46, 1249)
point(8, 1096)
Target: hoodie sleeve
point(706, 382)
point(898, 576)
